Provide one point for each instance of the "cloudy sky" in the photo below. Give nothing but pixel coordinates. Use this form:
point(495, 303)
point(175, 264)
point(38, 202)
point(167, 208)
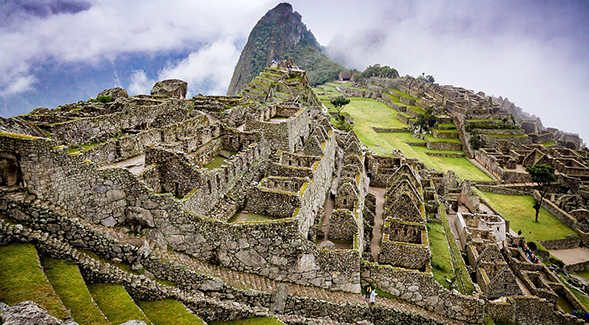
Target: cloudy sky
point(534, 52)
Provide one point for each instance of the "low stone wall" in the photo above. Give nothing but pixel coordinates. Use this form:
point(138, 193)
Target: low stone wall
point(444, 135)
point(561, 243)
point(444, 145)
point(401, 254)
point(421, 289)
point(505, 190)
point(515, 140)
point(447, 155)
point(385, 130)
point(500, 131)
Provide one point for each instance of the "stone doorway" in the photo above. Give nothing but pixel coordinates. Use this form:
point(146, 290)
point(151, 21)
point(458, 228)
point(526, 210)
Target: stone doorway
point(10, 173)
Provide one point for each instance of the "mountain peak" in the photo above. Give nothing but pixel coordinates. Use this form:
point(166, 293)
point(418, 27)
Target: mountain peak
point(279, 34)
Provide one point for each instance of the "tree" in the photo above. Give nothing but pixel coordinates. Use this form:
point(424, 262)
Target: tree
point(339, 103)
point(543, 176)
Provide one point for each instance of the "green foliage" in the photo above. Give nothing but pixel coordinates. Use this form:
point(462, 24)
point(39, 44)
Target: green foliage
point(104, 99)
point(379, 71)
point(339, 103)
point(22, 279)
point(429, 78)
point(68, 283)
point(475, 142)
point(426, 120)
point(543, 176)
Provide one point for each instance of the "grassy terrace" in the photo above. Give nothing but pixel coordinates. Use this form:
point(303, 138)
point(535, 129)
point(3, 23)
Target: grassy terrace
point(518, 209)
point(446, 131)
point(161, 312)
point(68, 283)
point(400, 93)
point(431, 138)
point(115, 303)
point(447, 125)
point(21, 278)
point(549, 143)
point(441, 258)
point(369, 112)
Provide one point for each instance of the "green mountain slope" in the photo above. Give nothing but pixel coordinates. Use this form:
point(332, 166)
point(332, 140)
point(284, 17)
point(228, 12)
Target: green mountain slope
point(281, 34)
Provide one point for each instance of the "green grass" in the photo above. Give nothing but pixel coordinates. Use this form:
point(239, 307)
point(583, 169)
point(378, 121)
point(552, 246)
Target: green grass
point(518, 209)
point(21, 279)
point(115, 303)
point(576, 293)
point(447, 125)
point(251, 321)
point(441, 258)
point(460, 267)
point(369, 112)
point(161, 312)
point(400, 93)
point(216, 163)
point(549, 143)
point(71, 288)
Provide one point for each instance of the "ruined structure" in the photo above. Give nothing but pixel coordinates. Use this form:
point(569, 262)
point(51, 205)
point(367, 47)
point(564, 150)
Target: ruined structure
point(204, 190)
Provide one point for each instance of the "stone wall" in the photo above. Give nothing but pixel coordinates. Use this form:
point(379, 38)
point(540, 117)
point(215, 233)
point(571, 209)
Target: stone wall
point(434, 145)
point(420, 288)
point(285, 135)
point(85, 130)
point(343, 225)
point(563, 216)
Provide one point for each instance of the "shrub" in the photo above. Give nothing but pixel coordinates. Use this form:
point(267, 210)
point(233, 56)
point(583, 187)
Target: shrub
point(104, 99)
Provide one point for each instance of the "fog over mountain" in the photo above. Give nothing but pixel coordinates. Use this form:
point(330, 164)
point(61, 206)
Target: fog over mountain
point(536, 53)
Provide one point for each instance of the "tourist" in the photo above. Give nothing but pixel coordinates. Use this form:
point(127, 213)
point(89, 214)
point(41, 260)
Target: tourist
point(372, 297)
point(368, 291)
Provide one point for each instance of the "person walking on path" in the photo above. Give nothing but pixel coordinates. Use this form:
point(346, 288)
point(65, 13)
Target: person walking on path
point(372, 297)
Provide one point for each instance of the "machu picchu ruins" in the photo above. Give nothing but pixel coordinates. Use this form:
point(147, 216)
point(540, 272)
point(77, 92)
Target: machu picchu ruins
point(270, 203)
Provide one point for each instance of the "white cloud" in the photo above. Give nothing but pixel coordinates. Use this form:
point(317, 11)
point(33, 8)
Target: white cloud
point(207, 71)
point(109, 28)
point(140, 83)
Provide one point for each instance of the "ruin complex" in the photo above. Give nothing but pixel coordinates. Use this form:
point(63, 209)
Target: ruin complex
point(204, 191)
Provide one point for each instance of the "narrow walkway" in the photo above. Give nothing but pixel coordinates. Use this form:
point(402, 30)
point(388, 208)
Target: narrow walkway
point(377, 230)
point(136, 164)
point(330, 202)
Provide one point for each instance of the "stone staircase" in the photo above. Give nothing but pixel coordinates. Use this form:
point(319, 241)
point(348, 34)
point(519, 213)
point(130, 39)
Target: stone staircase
point(241, 280)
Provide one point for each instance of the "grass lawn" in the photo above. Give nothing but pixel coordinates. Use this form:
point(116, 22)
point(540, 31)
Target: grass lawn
point(441, 258)
point(71, 288)
point(549, 143)
point(21, 279)
point(216, 162)
point(465, 286)
point(369, 112)
point(518, 209)
point(161, 312)
point(115, 303)
point(251, 321)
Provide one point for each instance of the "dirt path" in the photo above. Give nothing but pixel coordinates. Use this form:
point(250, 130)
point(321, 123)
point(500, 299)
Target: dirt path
point(330, 202)
point(571, 256)
point(377, 231)
point(136, 164)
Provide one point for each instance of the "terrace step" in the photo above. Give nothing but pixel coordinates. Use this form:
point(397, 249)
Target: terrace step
point(22, 278)
point(68, 283)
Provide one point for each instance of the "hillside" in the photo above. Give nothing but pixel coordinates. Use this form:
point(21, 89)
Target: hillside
point(281, 34)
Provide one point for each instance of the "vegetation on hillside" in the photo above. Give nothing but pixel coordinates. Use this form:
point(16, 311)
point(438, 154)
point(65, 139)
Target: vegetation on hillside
point(281, 34)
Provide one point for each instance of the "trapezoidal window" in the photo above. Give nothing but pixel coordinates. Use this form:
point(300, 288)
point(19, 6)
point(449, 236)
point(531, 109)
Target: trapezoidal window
point(10, 173)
